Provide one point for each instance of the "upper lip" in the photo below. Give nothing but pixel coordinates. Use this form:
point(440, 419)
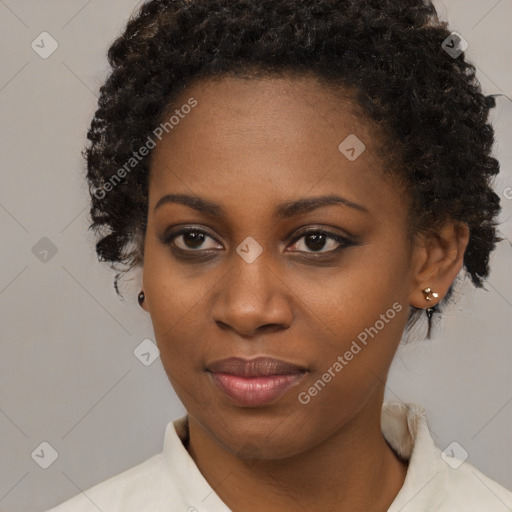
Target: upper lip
point(258, 367)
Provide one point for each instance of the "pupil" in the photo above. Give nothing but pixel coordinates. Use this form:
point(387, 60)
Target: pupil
point(195, 237)
point(318, 241)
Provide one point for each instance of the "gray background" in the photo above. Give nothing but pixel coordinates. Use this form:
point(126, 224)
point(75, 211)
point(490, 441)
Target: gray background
point(68, 374)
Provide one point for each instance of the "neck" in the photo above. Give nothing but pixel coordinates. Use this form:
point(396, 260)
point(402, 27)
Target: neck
point(353, 469)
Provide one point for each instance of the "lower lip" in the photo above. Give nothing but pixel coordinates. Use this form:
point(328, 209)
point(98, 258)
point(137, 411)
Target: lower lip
point(255, 391)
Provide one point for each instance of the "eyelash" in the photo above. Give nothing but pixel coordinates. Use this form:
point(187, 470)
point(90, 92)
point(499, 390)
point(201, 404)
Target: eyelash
point(344, 242)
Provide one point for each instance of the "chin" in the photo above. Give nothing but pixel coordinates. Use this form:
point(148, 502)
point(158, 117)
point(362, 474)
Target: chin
point(256, 434)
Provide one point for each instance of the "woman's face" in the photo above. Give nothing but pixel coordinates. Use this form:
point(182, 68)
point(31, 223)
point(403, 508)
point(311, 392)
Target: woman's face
point(255, 277)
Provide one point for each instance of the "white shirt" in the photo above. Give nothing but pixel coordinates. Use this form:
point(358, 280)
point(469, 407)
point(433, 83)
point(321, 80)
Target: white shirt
point(171, 481)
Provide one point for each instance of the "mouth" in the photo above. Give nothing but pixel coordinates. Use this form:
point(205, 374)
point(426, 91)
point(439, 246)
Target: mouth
point(254, 382)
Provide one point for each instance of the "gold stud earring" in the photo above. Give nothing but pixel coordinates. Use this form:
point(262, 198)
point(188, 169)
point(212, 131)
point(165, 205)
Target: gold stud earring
point(429, 294)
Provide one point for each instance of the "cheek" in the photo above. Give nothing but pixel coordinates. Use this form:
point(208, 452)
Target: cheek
point(351, 369)
point(356, 353)
point(173, 298)
point(352, 297)
point(362, 311)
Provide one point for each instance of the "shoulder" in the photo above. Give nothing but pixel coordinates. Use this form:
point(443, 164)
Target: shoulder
point(466, 488)
point(140, 488)
point(443, 481)
point(167, 482)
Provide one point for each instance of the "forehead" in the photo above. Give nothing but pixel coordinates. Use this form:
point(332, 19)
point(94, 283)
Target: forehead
point(266, 136)
point(286, 105)
point(286, 92)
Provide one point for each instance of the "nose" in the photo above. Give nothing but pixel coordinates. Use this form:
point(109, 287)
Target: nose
point(253, 299)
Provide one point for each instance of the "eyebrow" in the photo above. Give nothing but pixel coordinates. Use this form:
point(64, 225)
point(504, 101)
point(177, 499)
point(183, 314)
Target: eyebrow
point(283, 211)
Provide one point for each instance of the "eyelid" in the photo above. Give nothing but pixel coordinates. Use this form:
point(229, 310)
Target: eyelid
point(172, 233)
point(328, 230)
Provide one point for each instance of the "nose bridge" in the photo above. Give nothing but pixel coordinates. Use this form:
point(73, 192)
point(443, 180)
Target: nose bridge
point(252, 295)
point(252, 279)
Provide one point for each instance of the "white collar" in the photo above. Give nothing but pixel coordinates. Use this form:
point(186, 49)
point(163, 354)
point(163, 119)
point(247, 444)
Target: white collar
point(430, 484)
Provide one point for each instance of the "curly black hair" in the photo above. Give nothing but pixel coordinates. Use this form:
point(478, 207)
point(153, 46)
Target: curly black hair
point(389, 53)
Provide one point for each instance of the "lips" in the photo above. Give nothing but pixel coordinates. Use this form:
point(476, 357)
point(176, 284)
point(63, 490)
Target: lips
point(254, 382)
point(259, 367)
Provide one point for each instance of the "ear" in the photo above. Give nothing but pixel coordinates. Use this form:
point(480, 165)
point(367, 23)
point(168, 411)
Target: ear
point(437, 259)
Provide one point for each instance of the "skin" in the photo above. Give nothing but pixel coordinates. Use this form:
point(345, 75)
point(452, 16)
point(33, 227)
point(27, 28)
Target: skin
point(250, 145)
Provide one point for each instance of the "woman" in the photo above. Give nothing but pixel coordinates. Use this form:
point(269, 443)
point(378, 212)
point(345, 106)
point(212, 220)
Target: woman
point(300, 181)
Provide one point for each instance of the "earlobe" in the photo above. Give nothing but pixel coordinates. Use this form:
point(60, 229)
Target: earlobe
point(439, 259)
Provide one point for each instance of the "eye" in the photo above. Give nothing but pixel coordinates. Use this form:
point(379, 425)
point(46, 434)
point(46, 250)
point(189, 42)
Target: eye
point(190, 240)
point(315, 240)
